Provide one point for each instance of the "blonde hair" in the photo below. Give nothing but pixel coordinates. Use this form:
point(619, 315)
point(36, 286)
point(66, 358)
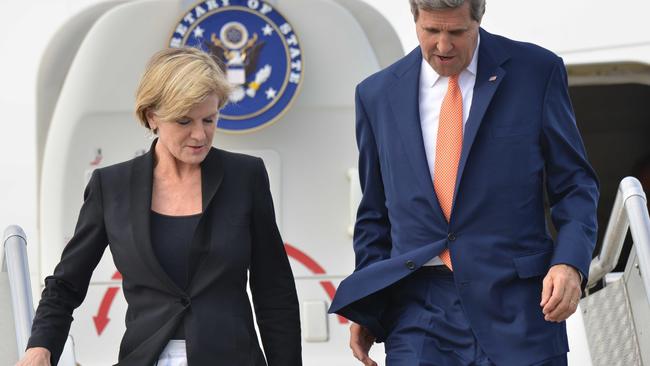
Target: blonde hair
point(177, 79)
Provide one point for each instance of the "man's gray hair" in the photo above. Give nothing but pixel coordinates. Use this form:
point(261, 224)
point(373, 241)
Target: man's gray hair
point(477, 7)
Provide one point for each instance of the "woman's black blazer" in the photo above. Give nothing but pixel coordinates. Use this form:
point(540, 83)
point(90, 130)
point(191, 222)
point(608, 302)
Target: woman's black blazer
point(236, 235)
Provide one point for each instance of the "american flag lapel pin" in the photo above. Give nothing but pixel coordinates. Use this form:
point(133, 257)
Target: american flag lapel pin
point(493, 78)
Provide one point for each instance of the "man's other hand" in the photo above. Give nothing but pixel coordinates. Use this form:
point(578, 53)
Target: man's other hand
point(560, 293)
point(360, 342)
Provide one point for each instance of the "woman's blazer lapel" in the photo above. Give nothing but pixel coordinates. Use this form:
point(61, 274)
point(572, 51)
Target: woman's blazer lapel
point(141, 184)
point(211, 177)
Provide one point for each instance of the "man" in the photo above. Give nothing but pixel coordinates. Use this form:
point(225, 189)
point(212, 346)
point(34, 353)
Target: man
point(458, 142)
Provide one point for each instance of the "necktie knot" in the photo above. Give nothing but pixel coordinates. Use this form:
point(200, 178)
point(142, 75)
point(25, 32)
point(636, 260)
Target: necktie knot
point(453, 81)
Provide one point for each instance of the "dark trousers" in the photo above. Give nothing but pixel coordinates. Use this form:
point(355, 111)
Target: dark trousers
point(428, 326)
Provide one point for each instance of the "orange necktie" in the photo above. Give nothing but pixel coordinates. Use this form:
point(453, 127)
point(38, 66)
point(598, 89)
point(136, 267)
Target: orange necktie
point(448, 147)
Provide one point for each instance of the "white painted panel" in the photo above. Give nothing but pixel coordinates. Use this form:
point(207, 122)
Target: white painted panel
point(314, 321)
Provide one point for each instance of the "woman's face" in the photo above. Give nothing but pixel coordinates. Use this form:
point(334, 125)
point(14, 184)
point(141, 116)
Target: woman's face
point(189, 138)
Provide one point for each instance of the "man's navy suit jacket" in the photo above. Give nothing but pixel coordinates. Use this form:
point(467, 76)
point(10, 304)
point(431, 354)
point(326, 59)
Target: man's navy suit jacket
point(520, 140)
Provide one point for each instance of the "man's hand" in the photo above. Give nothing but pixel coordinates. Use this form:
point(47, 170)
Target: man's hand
point(36, 356)
point(560, 293)
point(360, 342)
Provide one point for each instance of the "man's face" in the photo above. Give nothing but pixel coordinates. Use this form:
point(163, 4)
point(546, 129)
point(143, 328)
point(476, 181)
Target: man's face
point(447, 38)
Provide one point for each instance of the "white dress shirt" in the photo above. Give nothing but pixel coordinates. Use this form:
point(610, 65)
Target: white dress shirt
point(433, 89)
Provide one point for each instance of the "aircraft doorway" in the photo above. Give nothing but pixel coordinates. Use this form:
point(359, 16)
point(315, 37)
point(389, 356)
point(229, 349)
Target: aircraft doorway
point(612, 107)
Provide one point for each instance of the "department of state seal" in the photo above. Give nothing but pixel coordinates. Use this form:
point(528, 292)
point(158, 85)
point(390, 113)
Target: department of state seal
point(260, 54)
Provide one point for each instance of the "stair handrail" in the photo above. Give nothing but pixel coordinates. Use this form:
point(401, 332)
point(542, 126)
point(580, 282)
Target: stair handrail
point(630, 211)
point(16, 265)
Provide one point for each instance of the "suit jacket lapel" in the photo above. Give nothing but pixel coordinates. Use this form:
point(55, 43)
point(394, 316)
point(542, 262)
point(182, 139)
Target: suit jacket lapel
point(404, 103)
point(211, 177)
point(488, 78)
point(140, 211)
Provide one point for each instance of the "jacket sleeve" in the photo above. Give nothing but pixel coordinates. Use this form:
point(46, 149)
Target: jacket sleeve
point(66, 288)
point(372, 241)
point(271, 281)
point(571, 183)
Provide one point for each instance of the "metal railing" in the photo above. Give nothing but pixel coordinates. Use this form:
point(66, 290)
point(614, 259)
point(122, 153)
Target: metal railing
point(630, 211)
point(16, 265)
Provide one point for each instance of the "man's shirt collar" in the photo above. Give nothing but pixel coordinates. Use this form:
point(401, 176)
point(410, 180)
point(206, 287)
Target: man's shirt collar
point(430, 77)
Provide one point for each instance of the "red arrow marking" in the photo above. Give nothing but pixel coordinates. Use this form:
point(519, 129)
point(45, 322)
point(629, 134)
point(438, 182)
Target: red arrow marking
point(328, 286)
point(315, 268)
point(102, 319)
point(303, 258)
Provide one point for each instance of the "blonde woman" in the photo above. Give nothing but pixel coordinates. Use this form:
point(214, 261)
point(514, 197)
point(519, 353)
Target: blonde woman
point(185, 223)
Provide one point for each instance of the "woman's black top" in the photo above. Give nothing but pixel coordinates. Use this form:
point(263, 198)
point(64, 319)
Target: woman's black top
point(171, 237)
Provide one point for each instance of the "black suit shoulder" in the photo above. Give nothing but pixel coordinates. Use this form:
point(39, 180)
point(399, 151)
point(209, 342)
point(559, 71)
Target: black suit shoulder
point(240, 169)
point(119, 168)
point(117, 174)
point(237, 161)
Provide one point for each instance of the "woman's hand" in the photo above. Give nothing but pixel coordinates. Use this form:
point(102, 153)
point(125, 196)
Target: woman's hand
point(36, 356)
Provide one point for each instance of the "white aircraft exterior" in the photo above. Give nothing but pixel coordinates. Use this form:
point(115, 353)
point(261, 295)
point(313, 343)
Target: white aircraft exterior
point(84, 98)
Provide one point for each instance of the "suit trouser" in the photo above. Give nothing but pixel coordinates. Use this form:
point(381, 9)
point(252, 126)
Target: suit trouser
point(428, 327)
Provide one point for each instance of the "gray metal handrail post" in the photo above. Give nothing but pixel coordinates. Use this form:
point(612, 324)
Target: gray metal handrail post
point(612, 242)
point(630, 211)
point(16, 265)
point(637, 212)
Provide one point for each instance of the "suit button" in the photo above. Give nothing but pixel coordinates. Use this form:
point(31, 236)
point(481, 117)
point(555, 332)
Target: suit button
point(410, 265)
point(451, 237)
point(184, 301)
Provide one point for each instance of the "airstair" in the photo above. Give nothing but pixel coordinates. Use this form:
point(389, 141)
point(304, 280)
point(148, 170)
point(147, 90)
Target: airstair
point(617, 317)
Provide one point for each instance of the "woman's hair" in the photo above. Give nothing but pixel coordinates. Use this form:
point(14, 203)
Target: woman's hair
point(177, 79)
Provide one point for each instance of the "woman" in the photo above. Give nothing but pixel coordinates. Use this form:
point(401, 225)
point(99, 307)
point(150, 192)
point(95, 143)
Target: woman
point(185, 223)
